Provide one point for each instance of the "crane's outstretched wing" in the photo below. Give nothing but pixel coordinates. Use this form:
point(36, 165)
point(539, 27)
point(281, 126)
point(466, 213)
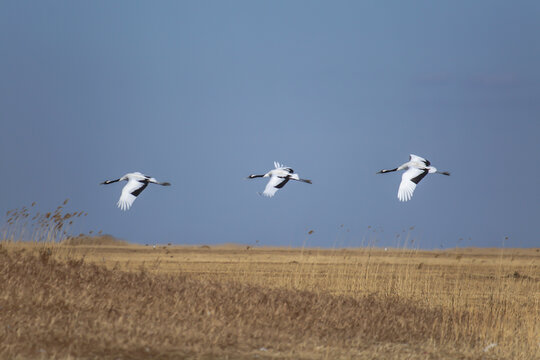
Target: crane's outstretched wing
point(130, 192)
point(409, 180)
point(274, 185)
point(283, 167)
point(417, 158)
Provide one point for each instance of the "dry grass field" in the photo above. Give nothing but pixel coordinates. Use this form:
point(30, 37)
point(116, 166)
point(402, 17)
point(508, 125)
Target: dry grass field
point(96, 299)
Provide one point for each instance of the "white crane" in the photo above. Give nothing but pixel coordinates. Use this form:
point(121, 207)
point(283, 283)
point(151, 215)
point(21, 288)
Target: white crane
point(136, 183)
point(278, 178)
point(417, 168)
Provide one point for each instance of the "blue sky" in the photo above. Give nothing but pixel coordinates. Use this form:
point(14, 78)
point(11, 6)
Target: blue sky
point(202, 94)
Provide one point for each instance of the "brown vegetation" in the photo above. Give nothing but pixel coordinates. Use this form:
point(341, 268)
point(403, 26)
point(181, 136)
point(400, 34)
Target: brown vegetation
point(89, 240)
point(228, 302)
point(97, 297)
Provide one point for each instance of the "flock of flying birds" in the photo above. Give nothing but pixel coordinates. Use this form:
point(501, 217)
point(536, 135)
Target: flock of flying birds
point(416, 169)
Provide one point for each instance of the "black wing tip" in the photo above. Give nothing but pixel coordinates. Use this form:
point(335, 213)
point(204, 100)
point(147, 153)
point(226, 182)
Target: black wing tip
point(419, 177)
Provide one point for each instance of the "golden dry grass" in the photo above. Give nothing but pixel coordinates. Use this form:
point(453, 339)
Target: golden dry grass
point(118, 301)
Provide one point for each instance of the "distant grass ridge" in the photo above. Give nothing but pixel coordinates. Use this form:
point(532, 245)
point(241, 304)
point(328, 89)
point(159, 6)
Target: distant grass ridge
point(95, 240)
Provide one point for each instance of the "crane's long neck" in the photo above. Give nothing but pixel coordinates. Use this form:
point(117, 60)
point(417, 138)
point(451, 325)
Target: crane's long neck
point(386, 171)
point(110, 181)
point(256, 176)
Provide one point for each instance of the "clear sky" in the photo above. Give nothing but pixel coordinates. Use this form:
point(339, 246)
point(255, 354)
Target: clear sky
point(204, 93)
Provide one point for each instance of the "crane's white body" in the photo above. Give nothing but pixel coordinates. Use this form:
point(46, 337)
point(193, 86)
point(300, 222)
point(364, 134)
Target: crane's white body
point(416, 169)
point(279, 176)
point(136, 183)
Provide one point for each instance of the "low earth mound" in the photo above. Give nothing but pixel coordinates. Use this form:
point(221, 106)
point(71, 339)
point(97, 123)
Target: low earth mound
point(70, 309)
point(94, 240)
